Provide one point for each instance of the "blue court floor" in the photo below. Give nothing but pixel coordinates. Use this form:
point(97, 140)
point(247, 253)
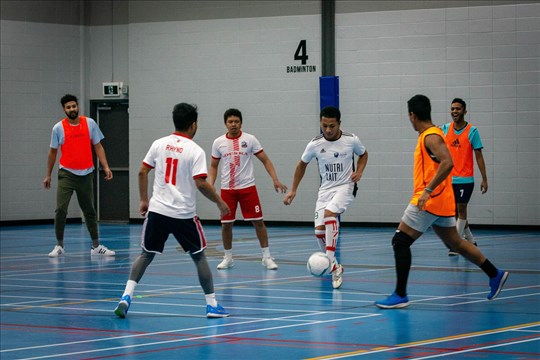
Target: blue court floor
point(63, 308)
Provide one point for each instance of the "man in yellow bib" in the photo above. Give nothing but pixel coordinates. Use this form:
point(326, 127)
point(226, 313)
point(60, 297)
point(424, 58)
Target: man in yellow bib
point(462, 139)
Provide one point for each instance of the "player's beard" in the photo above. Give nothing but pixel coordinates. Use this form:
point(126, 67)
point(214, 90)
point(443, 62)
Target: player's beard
point(72, 114)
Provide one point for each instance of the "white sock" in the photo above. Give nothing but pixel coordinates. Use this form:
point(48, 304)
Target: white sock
point(228, 254)
point(130, 288)
point(266, 252)
point(468, 234)
point(321, 239)
point(460, 225)
point(332, 232)
point(211, 299)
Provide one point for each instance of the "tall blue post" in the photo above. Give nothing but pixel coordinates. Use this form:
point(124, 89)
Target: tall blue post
point(329, 91)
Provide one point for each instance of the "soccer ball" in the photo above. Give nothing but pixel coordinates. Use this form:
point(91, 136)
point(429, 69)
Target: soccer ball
point(318, 264)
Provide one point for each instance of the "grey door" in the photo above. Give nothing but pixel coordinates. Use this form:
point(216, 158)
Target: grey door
point(112, 197)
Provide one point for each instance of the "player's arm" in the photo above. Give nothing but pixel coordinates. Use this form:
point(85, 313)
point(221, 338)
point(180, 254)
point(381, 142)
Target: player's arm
point(298, 175)
point(100, 153)
point(210, 193)
point(436, 145)
point(482, 166)
point(212, 171)
point(51, 160)
point(143, 188)
point(360, 166)
point(269, 166)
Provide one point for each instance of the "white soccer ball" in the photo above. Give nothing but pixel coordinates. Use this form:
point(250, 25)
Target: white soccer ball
point(318, 264)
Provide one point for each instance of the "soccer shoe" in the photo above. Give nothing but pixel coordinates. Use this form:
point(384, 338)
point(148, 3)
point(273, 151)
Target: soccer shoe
point(496, 284)
point(102, 250)
point(394, 301)
point(123, 306)
point(216, 312)
point(226, 263)
point(57, 251)
point(269, 263)
point(337, 276)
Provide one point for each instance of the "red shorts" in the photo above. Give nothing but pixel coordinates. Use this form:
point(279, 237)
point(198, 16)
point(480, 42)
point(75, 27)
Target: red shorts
point(249, 204)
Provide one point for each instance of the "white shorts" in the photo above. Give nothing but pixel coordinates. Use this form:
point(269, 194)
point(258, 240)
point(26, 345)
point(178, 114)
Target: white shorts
point(422, 220)
point(335, 200)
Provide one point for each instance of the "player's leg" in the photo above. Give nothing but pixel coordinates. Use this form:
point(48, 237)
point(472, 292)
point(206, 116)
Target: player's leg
point(413, 224)
point(85, 197)
point(449, 235)
point(320, 231)
point(250, 205)
point(63, 197)
point(262, 234)
point(190, 235)
point(462, 194)
point(227, 221)
point(154, 234)
point(340, 199)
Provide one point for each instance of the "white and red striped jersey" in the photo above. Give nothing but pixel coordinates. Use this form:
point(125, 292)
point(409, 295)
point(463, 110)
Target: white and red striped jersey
point(178, 160)
point(334, 158)
point(236, 160)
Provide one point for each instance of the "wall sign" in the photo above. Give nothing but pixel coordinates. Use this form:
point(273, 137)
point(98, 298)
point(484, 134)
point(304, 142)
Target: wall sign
point(301, 55)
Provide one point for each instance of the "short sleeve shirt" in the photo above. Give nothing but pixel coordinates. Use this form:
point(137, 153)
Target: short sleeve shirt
point(236, 155)
point(334, 158)
point(57, 140)
point(177, 161)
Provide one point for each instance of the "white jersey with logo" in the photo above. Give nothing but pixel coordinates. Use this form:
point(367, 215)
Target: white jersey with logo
point(177, 160)
point(236, 160)
point(335, 158)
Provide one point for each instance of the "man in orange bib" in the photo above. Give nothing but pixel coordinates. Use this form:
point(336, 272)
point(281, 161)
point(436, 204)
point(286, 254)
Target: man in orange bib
point(432, 204)
point(74, 136)
point(462, 139)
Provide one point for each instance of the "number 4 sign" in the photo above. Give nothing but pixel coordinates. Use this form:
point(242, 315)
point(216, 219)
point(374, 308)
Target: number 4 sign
point(301, 55)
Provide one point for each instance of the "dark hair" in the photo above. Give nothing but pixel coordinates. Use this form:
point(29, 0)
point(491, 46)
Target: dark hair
point(459, 101)
point(420, 106)
point(232, 112)
point(184, 115)
point(331, 112)
point(68, 98)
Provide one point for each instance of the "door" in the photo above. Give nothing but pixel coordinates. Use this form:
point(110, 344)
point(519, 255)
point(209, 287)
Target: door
point(112, 197)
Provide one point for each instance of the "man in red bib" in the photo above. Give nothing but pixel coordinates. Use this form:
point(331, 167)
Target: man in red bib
point(74, 136)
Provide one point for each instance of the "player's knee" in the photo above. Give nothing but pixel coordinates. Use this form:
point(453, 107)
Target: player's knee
point(147, 256)
point(401, 240)
point(197, 256)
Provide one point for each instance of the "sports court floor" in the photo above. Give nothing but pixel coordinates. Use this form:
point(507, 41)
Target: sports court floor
point(63, 308)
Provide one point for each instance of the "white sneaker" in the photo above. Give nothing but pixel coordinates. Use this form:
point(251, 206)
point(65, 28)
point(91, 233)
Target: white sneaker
point(337, 276)
point(269, 263)
point(102, 250)
point(226, 263)
point(57, 251)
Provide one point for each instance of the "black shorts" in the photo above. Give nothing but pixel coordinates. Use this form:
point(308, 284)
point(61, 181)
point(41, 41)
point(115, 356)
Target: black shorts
point(157, 228)
point(463, 192)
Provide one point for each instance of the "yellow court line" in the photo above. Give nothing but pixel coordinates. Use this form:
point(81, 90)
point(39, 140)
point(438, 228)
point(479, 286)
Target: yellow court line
point(425, 342)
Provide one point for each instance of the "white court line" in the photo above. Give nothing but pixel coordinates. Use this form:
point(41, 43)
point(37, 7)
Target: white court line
point(477, 349)
point(185, 339)
point(431, 342)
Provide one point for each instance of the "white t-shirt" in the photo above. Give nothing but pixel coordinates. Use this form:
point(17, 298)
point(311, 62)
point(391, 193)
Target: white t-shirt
point(236, 160)
point(335, 158)
point(177, 160)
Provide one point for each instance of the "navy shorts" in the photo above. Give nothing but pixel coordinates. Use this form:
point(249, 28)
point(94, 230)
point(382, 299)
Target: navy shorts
point(157, 228)
point(463, 192)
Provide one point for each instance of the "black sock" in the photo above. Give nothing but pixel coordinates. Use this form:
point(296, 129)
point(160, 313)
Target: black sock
point(403, 257)
point(489, 269)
